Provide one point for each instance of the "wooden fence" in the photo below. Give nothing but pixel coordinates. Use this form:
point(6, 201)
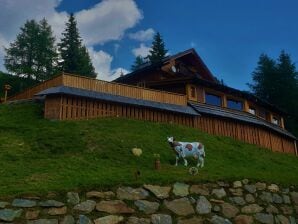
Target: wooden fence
point(103, 86)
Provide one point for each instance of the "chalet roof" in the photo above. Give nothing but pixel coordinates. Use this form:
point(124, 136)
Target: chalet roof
point(118, 99)
point(148, 66)
point(237, 115)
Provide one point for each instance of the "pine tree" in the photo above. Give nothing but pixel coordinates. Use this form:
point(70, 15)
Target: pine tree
point(139, 61)
point(21, 57)
point(158, 51)
point(74, 55)
point(33, 53)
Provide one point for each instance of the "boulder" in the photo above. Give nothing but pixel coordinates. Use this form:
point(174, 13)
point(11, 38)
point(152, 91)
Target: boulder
point(203, 206)
point(86, 206)
point(69, 219)
point(237, 200)
point(8, 215)
point(57, 211)
point(280, 219)
point(229, 210)
point(110, 219)
point(84, 220)
point(114, 207)
point(136, 220)
point(158, 191)
point(267, 197)
point(264, 218)
point(73, 198)
point(181, 207)
point(161, 219)
point(294, 196)
point(32, 214)
point(147, 207)
point(193, 220)
point(272, 209)
point(260, 186)
point(237, 184)
point(273, 188)
point(23, 203)
point(199, 189)
point(128, 193)
point(287, 210)
point(277, 199)
point(3, 204)
point(250, 198)
point(253, 208)
point(99, 194)
point(243, 219)
point(250, 188)
point(43, 221)
point(219, 193)
point(180, 189)
point(51, 203)
point(219, 220)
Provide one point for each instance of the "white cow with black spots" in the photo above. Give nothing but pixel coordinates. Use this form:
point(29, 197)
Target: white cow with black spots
point(188, 149)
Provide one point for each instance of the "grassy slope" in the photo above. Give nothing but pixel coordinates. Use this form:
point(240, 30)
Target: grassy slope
point(38, 155)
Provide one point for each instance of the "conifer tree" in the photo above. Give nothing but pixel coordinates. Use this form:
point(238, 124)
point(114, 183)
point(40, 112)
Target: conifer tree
point(139, 61)
point(158, 51)
point(74, 55)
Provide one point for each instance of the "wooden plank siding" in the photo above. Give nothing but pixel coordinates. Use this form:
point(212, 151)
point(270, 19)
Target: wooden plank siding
point(103, 86)
point(246, 133)
point(77, 108)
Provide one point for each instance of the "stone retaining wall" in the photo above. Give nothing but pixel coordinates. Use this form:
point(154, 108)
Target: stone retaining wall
point(239, 202)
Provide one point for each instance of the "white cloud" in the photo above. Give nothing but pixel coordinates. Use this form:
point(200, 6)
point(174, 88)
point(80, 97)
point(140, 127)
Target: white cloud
point(142, 50)
point(142, 35)
point(107, 20)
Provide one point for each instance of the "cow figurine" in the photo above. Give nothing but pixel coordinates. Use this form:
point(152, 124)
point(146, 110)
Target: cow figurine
point(188, 149)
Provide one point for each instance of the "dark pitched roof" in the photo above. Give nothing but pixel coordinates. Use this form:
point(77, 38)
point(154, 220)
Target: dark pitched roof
point(118, 99)
point(148, 66)
point(239, 116)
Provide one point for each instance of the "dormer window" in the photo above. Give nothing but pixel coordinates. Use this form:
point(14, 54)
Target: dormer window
point(234, 104)
point(252, 110)
point(213, 99)
point(275, 120)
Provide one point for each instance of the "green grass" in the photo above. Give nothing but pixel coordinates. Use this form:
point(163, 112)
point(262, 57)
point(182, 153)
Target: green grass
point(38, 155)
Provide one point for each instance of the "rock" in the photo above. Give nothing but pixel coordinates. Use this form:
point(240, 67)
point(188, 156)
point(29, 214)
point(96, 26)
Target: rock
point(216, 208)
point(129, 193)
point(86, 206)
point(285, 190)
point(287, 210)
point(147, 207)
point(3, 204)
point(51, 203)
point(296, 208)
point(136, 220)
point(286, 199)
point(193, 220)
point(223, 184)
point(229, 210)
point(110, 219)
point(32, 214)
point(294, 196)
point(237, 184)
point(203, 206)
point(199, 189)
point(238, 200)
point(253, 208)
point(264, 218)
point(292, 220)
point(69, 219)
point(219, 220)
point(159, 192)
point(250, 188)
point(260, 186)
point(9, 215)
point(245, 181)
point(114, 207)
point(219, 193)
point(57, 211)
point(272, 209)
point(99, 194)
point(250, 198)
point(180, 206)
point(180, 189)
point(280, 219)
point(277, 199)
point(24, 203)
point(217, 201)
point(84, 220)
point(73, 198)
point(273, 188)
point(43, 221)
point(243, 219)
point(236, 192)
point(161, 219)
point(266, 196)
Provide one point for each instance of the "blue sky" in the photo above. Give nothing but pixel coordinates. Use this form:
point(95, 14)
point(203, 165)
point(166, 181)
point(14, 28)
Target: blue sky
point(228, 35)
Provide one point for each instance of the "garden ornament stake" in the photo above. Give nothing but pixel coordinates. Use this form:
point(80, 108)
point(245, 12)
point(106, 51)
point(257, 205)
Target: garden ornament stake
point(188, 149)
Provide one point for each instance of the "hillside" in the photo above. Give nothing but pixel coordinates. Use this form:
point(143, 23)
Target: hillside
point(38, 155)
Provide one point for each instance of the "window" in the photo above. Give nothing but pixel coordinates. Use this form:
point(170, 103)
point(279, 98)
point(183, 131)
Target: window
point(212, 99)
point(263, 114)
point(275, 120)
point(234, 104)
point(193, 92)
point(252, 110)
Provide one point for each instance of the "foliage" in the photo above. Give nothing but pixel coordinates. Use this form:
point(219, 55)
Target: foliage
point(277, 83)
point(18, 84)
point(158, 51)
point(33, 53)
point(38, 155)
point(75, 57)
point(139, 61)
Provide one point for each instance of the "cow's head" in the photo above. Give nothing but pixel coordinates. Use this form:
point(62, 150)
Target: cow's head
point(170, 139)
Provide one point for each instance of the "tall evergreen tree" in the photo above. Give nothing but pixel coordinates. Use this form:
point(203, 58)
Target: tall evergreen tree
point(33, 53)
point(139, 61)
point(74, 55)
point(158, 50)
